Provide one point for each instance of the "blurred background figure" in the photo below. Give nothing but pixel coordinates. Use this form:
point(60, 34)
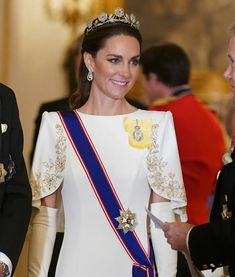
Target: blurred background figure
point(166, 73)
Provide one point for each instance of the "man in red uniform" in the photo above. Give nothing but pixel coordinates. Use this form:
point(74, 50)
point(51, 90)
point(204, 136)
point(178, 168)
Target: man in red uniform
point(166, 72)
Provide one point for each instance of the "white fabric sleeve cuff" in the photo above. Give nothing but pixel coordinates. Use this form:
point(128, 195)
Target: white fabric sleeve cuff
point(165, 257)
point(7, 261)
point(187, 239)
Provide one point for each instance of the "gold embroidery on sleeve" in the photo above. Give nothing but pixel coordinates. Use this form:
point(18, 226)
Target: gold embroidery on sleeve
point(47, 179)
point(167, 185)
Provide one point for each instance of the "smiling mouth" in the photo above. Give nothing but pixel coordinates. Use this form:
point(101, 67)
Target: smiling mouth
point(120, 83)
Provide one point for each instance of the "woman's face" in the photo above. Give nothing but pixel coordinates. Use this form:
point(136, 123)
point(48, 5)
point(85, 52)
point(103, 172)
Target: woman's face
point(115, 67)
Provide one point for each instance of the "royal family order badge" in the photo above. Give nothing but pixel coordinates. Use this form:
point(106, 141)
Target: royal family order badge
point(139, 132)
point(126, 220)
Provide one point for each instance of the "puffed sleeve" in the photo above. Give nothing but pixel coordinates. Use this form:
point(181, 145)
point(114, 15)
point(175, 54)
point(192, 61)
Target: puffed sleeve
point(164, 168)
point(49, 158)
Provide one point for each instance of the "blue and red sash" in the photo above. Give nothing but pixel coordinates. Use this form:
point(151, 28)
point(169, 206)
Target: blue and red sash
point(143, 263)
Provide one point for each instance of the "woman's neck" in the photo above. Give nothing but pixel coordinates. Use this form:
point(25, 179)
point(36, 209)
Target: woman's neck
point(112, 107)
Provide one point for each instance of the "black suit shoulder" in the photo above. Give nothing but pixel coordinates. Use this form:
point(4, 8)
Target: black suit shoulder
point(7, 94)
point(9, 115)
point(217, 238)
point(5, 88)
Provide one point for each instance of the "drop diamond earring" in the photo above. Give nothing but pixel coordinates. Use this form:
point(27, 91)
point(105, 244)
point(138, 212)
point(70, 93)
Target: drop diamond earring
point(89, 76)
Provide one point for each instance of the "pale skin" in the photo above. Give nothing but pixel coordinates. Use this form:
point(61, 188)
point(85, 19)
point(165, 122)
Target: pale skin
point(115, 69)
point(176, 233)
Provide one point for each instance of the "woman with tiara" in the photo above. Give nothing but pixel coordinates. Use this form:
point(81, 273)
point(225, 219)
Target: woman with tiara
point(108, 164)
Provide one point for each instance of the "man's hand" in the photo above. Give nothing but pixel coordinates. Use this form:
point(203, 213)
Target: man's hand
point(176, 234)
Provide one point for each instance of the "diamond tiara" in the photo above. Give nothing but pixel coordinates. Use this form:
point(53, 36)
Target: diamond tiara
point(119, 16)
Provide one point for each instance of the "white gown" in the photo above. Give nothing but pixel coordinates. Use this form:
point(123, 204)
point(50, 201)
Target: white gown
point(90, 246)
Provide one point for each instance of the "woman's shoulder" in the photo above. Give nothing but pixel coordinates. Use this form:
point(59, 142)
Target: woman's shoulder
point(155, 114)
point(51, 123)
point(50, 116)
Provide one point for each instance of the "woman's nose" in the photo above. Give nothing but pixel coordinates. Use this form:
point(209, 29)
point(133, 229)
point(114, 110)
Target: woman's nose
point(126, 70)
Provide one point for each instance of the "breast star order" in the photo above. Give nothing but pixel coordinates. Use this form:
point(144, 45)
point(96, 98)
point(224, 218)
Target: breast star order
point(126, 220)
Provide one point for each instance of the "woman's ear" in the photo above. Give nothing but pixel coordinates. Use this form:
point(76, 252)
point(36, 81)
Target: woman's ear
point(88, 60)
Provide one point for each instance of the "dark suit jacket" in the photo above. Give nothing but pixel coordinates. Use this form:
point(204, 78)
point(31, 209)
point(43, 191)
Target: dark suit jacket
point(213, 244)
point(15, 193)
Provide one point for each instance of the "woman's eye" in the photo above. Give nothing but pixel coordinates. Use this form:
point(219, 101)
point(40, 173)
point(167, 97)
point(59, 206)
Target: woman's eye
point(114, 60)
point(135, 62)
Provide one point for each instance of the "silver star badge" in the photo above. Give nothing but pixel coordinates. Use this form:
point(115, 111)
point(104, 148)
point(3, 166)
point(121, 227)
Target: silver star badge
point(126, 220)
